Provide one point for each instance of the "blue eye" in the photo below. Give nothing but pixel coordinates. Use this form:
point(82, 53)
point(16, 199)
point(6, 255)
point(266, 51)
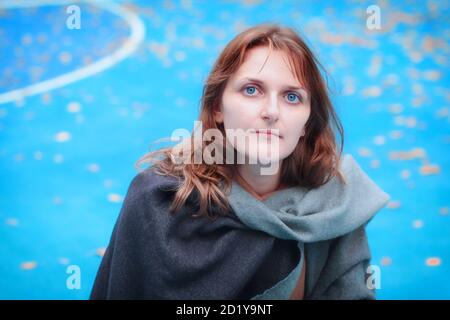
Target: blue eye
point(250, 90)
point(293, 98)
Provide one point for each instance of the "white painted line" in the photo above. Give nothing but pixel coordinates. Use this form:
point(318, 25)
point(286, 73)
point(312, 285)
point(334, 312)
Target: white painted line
point(131, 44)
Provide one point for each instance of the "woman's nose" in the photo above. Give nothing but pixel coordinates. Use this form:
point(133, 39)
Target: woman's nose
point(271, 110)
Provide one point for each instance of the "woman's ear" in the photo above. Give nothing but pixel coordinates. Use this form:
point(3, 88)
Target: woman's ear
point(218, 116)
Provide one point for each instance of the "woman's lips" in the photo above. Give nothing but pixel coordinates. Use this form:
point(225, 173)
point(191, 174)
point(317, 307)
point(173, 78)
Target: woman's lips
point(268, 133)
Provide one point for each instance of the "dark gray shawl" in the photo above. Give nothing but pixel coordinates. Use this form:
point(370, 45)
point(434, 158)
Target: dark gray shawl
point(256, 251)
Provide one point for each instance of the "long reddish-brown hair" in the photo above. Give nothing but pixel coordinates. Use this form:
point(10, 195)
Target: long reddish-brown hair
point(314, 161)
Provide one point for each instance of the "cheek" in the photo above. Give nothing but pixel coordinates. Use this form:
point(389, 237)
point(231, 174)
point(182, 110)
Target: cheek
point(296, 123)
point(297, 120)
point(237, 111)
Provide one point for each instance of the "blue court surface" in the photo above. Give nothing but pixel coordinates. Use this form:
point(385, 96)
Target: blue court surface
point(78, 107)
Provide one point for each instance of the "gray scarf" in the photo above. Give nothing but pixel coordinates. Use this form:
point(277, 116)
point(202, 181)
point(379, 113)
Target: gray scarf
point(329, 211)
point(323, 213)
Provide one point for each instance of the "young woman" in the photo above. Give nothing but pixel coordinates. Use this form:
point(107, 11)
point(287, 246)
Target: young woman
point(230, 230)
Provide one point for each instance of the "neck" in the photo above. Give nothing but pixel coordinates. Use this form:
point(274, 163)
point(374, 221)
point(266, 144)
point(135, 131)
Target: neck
point(261, 186)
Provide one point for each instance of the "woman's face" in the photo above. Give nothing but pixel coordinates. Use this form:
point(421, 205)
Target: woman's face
point(265, 95)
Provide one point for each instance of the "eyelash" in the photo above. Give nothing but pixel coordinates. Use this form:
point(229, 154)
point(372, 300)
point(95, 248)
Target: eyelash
point(299, 97)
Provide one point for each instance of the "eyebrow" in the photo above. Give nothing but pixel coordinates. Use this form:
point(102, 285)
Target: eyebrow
point(289, 87)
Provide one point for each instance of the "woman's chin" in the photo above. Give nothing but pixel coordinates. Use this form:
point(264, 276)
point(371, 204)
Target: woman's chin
point(263, 160)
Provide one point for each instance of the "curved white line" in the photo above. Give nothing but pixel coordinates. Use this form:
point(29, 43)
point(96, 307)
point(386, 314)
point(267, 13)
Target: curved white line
point(131, 44)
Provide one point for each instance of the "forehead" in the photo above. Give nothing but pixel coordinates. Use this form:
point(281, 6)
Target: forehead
point(261, 62)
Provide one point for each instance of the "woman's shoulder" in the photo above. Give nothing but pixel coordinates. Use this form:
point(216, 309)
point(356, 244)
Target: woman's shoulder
point(150, 182)
point(149, 198)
